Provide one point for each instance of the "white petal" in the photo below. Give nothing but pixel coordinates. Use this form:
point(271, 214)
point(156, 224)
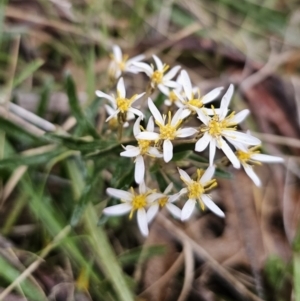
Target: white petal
point(137, 58)
point(118, 209)
point(212, 151)
point(142, 221)
point(106, 96)
point(142, 188)
point(181, 133)
point(153, 151)
point(114, 115)
point(167, 150)
point(179, 95)
point(139, 171)
point(143, 67)
point(136, 126)
point(229, 153)
point(173, 198)
point(267, 158)
point(119, 194)
point(212, 111)
point(252, 175)
point(225, 101)
point(238, 145)
point(167, 103)
point(136, 112)
point(185, 177)
point(138, 96)
point(241, 137)
point(208, 174)
point(153, 197)
point(121, 88)
point(152, 211)
point(158, 63)
point(212, 206)
point(188, 209)
point(150, 125)
point(165, 90)
point(174, 210)
point(148, 136)
point(117, 53)
point(168, 83)
point(176, 118)
point(169, 188)
point(202, 116)
point(186, 83)
point(212, 95)
point(239, 117)
point(203, 142)
point(132, 152)
point(156, 114)
point(109, 110)
point(130, 116)
point(171, 74)
point(185, 113)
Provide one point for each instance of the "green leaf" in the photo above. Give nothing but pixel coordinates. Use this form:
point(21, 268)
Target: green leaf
point(89, 148)
point(183, 147)
point(19, 133)
point(133, 255)
point(181, 155)
point(88, 194)
point(44, 99)
point(27, 71)
point(13, 162)
point(162, 183)
point(83, 122)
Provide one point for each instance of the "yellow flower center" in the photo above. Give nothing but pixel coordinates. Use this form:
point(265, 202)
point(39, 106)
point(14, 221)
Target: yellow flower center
point(163, 201)
point(245, 157)
point(139, 201)
point(168, 131)
point(113, 123)
point(172, 97)
point(158, 75)
point(124, 104)
point(122, 64)
point(144, 145)
point(195, 102)
point(216, 126)
point(195, 190)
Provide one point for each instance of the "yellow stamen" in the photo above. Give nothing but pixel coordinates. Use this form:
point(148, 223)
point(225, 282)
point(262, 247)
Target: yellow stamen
point(139, 201)
point(168, 131)
point(163, 201)
point(158, 75)
point(124, 104)
point(245, 157)
point(144, 145)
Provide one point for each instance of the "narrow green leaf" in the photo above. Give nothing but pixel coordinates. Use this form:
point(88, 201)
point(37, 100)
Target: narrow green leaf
point(44, 99)
point(296, 270)
point(19, 133)
point(13, 162)
point(27, 71)
point(76, 109)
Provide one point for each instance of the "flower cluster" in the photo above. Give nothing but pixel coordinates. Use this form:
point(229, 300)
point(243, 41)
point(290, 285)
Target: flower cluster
point(217, 128)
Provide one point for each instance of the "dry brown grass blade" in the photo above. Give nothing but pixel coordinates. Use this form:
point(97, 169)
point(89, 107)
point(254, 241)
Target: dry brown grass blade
point(62, 234)
point(179, 235)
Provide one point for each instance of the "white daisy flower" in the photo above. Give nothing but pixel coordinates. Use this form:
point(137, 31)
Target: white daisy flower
point(113, 122)
point(132, 202)
point(172, 94)
point(144, 148)
point(196, 191)
point(120, 63)
point(219, 126)
point(167, 201)
point(121, 104)
point(192, 99)
point(158, 77)
point(168, 130)
point(251, 156)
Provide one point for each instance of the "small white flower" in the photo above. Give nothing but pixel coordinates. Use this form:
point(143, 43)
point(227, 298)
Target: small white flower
point(121, 104)
point(251, 156)
point(167, 201)
point(132, 202)
point(192, 100)
point(144, 148)
point(120, 63)
point(172, 94)
point(158, 77)
point(168, 130)
point(219, 126)
point(113, 122)
point(196, 190)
